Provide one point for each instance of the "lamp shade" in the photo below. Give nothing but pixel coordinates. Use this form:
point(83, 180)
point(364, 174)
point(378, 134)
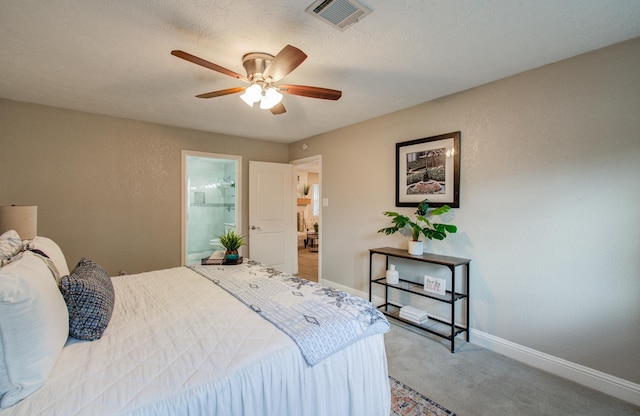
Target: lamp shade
point(271, 98)
point(22, 218)
point(252, 94)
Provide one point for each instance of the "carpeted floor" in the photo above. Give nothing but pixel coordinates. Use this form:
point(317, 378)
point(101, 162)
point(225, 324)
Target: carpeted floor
point(478, 382)
point(407, 402)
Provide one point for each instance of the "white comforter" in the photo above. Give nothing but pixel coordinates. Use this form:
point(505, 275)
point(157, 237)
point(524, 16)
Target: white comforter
point(177, 344)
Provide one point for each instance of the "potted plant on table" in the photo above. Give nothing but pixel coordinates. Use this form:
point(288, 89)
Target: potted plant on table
point(420, 226)
point(231, 242)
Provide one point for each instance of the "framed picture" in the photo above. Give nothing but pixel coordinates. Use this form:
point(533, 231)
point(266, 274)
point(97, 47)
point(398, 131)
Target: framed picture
point(429, 168)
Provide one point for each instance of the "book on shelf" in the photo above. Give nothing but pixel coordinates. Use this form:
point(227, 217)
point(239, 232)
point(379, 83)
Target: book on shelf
point(413, 314)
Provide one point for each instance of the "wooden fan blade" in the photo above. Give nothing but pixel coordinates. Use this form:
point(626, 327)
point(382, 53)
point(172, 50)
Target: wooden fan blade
point(278, 109)
point(288, 59)
point(210, 65)
point(220, 93)
point(313, 92)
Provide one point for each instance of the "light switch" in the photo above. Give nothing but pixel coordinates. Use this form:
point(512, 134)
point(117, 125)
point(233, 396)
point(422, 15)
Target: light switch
point(325, 202)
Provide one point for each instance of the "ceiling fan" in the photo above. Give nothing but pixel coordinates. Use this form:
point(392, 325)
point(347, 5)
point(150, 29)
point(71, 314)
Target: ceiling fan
point(263, 72)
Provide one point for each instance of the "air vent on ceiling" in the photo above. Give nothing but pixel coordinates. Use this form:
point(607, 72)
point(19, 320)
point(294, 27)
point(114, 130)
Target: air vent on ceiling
point(338, 13)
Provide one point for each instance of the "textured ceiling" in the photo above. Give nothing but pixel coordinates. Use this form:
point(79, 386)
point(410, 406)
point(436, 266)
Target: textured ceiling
point(113, 57)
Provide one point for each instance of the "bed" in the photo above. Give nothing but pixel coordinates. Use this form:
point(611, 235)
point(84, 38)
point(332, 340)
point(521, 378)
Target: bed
point(180, 341)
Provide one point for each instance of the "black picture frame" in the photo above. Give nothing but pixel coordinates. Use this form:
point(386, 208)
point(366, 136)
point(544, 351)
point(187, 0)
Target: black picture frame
point(438, 180)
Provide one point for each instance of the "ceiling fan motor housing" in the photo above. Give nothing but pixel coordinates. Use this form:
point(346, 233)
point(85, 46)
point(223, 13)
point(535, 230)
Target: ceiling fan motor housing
point(255, 63)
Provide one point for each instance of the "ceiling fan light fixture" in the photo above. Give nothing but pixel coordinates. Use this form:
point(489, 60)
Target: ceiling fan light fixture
point(270, 98)
point(252, 94)
point(263, 72)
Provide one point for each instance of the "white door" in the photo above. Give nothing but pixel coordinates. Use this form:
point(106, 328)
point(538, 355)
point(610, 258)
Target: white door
point(272, 231)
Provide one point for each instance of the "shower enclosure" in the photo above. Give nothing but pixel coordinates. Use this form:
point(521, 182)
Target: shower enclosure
point(211, 192)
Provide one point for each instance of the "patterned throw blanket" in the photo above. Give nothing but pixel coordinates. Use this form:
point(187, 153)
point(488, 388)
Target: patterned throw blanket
point(319, 319)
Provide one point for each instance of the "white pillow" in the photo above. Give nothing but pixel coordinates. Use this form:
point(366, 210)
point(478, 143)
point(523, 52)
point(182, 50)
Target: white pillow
point(53, 251)
point(10, 244)
point(34, 326)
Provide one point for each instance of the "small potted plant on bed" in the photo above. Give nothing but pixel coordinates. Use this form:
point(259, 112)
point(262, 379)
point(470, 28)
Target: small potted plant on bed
point(231, 242)
point(420, 226)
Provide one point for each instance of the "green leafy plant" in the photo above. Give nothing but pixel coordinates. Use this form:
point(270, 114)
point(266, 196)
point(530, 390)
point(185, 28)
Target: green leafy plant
point(421, 225)
point(231, 241)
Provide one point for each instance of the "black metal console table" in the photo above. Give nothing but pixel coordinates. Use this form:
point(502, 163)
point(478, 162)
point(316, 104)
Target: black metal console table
point(451, 297)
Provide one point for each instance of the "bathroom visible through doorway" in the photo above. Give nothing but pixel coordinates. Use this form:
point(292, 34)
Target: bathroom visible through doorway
point(210, 202)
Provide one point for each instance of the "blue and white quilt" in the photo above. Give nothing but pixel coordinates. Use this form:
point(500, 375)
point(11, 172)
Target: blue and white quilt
point(319, 319)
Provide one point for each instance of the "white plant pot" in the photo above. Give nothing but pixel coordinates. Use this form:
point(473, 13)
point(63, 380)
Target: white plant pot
point(415, 248)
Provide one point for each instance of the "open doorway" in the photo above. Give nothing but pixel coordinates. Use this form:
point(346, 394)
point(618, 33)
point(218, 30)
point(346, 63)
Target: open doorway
point(210, 202)
point(308, 217)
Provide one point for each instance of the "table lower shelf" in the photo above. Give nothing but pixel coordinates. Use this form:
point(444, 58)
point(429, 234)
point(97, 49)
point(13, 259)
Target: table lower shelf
point(432, 325)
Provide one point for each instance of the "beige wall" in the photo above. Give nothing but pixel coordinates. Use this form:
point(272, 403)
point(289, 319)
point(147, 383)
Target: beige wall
point(550, 190)
point(107, 188)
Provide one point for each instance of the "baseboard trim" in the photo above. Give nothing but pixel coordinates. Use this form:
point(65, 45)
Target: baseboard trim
point(597, 380)
point(608, 384)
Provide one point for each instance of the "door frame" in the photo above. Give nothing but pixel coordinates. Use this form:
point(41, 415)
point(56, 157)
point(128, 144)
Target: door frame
point(302, 161)
point(183, 197)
